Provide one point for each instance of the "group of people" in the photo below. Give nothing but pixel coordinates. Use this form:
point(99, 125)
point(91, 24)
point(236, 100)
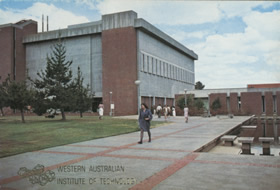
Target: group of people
point(165, 110)
point(145, 117)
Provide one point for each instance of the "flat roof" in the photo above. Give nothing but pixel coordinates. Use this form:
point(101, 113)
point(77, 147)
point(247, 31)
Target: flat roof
point(109, 21)
point(18, 24)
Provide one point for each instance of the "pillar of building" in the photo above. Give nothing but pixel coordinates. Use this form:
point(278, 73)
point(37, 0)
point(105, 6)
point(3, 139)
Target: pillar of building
point(119, 55)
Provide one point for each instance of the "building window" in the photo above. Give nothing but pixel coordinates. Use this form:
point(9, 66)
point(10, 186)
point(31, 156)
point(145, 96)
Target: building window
point(148, 64)
point(170, 71)
point(175, 73)
point(161, 68)
point(143, 62)
point(239, 102)
point(180, 74)
point(154, 66)
point(158, 67)
point(151, 65)
point(167, 70)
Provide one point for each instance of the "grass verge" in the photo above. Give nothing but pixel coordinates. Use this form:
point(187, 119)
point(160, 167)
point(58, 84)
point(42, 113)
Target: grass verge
point(40, 133)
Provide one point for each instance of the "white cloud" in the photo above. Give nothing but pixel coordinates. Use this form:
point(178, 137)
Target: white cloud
point(90, 3)
point(226, 76)
point(240, 9)
point(238, 59)
point(165, 12)
point(58, 18)
point(267, 24)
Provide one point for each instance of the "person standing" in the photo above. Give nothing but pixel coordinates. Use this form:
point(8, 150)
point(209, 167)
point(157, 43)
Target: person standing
point(168, 111)
point(186, 114)
point(165, 112)
point(100, 110)
point(159, 109)
point(145, 117)
point(173, 111)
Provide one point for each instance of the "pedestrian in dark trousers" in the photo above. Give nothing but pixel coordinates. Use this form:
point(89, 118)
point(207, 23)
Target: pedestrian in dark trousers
point(145, 117)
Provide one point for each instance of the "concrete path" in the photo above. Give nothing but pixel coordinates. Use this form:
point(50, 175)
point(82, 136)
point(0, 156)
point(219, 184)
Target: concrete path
point(168, 162)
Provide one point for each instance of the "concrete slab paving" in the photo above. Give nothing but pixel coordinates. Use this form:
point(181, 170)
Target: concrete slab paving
point(210, 171)
point(168, 162)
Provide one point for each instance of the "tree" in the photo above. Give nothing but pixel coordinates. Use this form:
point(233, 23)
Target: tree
point(40, 103)
point(216, 104)
point(198, 103)
point(83, 100)
point(56, 80)
point(19, 96)
point(199, 85)
point(181, 102)
point(3, 97)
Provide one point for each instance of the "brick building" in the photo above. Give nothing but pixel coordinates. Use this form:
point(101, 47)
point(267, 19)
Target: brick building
point(259, 100)
point(12, 56)
point(113, 53)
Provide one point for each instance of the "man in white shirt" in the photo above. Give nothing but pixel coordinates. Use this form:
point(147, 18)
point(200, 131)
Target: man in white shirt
point(159, 108)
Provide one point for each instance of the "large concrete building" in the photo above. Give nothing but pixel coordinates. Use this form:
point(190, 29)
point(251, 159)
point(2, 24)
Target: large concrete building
point(115, 52)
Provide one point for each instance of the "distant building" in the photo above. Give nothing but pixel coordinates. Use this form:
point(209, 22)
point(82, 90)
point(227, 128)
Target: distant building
point(113, 53)
point(257, 99)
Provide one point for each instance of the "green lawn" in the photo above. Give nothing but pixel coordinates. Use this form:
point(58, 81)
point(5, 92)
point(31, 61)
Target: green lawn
point(39, 133)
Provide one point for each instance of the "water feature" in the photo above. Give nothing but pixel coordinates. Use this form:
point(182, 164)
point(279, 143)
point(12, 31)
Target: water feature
point(266, 127)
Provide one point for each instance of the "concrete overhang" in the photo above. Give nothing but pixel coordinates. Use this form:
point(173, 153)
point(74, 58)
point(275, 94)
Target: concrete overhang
point(206, 92)
point(149, 28)
point(71, 31)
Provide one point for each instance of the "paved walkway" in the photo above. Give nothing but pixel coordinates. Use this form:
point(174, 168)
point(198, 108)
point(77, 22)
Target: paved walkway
point(168, 162)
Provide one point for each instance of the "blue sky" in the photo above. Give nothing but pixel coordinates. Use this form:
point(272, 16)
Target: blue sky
point(238, 42)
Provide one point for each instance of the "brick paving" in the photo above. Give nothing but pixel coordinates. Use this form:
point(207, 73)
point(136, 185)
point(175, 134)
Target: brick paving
point(168, 162)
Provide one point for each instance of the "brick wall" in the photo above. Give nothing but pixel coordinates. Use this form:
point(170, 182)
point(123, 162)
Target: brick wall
point(233, 100)
point(169, 102)
point(251, 103)
point(147, 100)
point(7, 46)
point(223, 101)
point(274, 85)
point(278, 104)
point(119, 55)
point(6, 55)
point(159, 101)
point(268, 103)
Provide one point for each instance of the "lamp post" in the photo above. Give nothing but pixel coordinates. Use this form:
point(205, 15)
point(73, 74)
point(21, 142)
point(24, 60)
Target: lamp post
point(111, 103)
point(137, 82)
point(150, 103)
point(185, 96)
point(208, 114)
